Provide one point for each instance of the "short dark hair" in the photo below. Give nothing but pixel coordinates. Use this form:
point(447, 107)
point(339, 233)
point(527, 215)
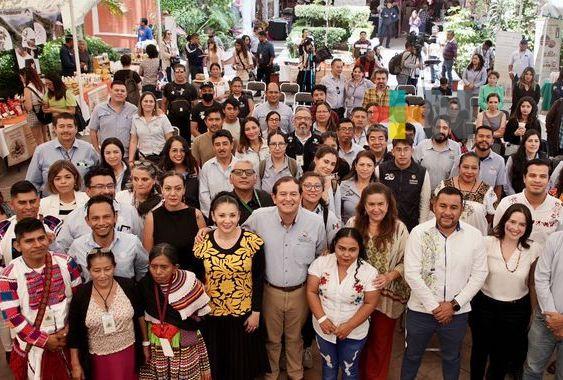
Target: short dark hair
point(358, 109)
point(232, 101)
point(262, 33)
point(96, 171)
point(164, 249)
point(450, 190)
point(377, 128)
point(285, 179)
point(487, 127)
point(68, 38)
point(117, 83)
point(381, 71)
point(410, 127)
point(407, 141)
point(97, 199)
point(222, 133)
point(63, 116)
point(537, 162)
point(319, 87)
point(125, 60)
point(344, 120)
point(22, 187)
point(488, 43)
point(276, 133)
point(151, 51)
point(144, 20)
point(335, 60)
point(27, 225)
point(444, 80)
point(213, 109)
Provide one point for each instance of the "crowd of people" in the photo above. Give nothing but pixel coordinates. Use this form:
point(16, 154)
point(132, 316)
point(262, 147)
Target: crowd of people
point(199, 235)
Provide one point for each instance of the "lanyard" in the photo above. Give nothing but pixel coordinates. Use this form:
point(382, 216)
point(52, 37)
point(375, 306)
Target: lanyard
point(66, 156)
point(162, 311)
point(246, 206)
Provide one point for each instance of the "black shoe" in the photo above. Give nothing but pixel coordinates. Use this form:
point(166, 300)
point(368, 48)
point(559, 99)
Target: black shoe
point(387, 46)
point(8, 354)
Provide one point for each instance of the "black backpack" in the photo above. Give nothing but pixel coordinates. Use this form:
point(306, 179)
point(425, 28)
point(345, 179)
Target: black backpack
point(396, 64)
point(133, 95)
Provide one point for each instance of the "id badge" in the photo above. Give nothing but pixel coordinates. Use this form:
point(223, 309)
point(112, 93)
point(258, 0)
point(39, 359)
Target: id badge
point(48, 319)
point(108, 323)
point(166, 347)
point(299, 160)
point(260, 56)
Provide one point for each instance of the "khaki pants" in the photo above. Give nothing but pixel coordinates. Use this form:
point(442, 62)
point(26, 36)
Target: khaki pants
point(284, 314)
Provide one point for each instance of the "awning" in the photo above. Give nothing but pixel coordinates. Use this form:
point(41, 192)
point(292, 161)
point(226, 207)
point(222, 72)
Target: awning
point(81, 8)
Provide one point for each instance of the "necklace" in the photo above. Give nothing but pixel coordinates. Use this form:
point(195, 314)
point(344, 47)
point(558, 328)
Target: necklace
point(105, 299)
point(465, 191)
point(506, 262)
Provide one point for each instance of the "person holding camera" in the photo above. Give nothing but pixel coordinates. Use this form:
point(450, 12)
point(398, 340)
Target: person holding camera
point(411, 63)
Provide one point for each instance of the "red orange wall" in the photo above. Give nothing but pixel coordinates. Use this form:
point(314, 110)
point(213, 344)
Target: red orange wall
point(119, 31)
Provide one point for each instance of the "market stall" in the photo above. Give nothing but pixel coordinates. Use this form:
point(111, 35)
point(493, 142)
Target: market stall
point(16, 140)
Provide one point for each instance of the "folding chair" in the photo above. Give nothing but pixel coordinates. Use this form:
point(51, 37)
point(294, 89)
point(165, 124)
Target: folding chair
point(412, 100)
point(302, 98)
point(474, 104)
point(289, 89)
point(282, 97)
point(408, 88)
point(257, 86)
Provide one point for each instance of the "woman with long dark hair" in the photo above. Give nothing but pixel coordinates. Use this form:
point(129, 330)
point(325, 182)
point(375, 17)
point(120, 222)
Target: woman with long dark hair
point(112, 157)
point(526, 87)
point(58, 98)
point(323, 121)
point(501, 311)
point(33, 92)
point(355, 89)
point(342, 295)
point(143, 192)
point(524, 118)
point(234, 278)
point(361, 175)
point(252, 146)
point(243, 61)
point(475, 75)
point(528, 150)
point(384, 236)
point(177, 157)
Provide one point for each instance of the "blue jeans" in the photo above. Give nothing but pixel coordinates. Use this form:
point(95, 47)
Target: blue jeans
point(447, 67)
point(541, 344)
point(344, 354)
point(419, 330)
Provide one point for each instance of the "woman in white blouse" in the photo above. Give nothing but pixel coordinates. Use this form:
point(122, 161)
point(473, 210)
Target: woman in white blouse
point(325, 161)
point(64, 183)
point(342, 295)
point(501, 310)
point(252, 146)
point(112, 156)
point(149, 130)
point(220, 85)
point(479, 198)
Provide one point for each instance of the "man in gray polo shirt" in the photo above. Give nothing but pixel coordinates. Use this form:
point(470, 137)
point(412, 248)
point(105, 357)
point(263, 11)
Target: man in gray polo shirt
point(438, 154)
point(335, 84)
point(112, 118)
point(293, 237)
point(273, 103)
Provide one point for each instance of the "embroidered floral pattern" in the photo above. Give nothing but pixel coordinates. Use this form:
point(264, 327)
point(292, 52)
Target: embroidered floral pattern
point(430, 248)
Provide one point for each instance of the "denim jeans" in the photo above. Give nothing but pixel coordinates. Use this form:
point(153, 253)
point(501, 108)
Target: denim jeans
point(447, 67)
point(419, 330)
point(344, 354)
point(541, 344)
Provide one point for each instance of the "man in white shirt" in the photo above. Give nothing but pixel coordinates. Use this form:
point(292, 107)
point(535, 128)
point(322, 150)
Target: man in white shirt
point(335, 84)
point(214, 175)
point(546, 210)
point(438, 154)
point(359, 116)
point(546, 330)
point(347, 148)
point(519, 60)
point(445, 266)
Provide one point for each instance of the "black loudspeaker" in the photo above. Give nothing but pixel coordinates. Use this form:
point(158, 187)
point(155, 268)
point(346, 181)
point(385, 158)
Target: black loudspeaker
point(278, 29)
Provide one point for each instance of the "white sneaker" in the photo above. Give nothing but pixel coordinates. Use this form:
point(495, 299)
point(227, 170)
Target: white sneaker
point(308, 358)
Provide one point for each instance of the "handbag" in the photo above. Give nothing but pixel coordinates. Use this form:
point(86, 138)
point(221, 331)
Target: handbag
point(44, 118)
point(79, 120)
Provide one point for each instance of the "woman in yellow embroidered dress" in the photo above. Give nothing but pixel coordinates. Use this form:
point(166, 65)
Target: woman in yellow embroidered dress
point(234, 278)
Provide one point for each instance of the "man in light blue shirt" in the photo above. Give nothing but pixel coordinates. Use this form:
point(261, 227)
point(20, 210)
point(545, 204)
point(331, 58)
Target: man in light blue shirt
point(131, 259)
point(99, 181)
point(335, 84)
point(293, 237)
point(144, 32)
point(65, 147)
point(546, 330)
point(113, 118)
point(273, 103)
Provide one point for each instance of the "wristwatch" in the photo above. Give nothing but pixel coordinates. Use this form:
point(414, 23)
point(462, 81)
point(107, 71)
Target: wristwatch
point(455, 305)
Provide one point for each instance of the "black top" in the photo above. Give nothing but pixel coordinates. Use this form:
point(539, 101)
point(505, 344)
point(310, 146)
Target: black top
point(191, 185)
point(261, 198)
point(244, 107)
point(179, 98)
point(264, 53)
point(198, 114)
point(77, 330)
point(194, 55)
point(406, 185)
point(178, 228)
point(516, 175)
point(123, 74)
point(512, 126)
point(68, 65)
point(518, 93)
point(295, 148)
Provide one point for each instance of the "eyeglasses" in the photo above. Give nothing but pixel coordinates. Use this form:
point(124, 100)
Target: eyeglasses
point(98, 250)
point(338, 90)
point(309, 186)
point(241, 172)
point(109, 186)
point(274, 119)
point(277, 145)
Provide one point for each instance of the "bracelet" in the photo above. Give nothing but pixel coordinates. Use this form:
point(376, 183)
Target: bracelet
point(322, 319)
point(146, 343)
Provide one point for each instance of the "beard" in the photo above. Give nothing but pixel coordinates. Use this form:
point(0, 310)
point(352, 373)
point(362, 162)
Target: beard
point(439, 137)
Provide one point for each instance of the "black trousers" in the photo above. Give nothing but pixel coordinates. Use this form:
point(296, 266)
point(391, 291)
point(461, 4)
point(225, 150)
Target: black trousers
point(263, 74)
point(195, 70)
point(500, 335)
